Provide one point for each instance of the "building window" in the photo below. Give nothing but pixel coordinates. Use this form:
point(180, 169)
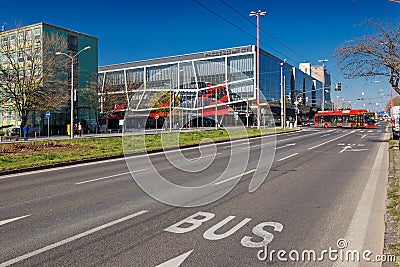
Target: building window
point(12, 40)
point(13, 56)
point(4, 41)
point(29, 36)
point(37, 55)
point(28, 55)
point(37, 35)
point(20, 57)
point(21, 38)
point(4, 61)
point(72, 42)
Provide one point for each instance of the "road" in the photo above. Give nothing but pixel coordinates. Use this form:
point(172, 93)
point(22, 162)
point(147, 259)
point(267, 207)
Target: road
point(324, 186)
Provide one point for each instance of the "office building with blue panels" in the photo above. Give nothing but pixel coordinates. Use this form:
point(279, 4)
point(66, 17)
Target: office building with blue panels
point(187, 90)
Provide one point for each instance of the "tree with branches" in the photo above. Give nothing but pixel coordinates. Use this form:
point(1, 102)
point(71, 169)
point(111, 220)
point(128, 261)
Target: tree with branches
point(32, 78)
point(371, 56)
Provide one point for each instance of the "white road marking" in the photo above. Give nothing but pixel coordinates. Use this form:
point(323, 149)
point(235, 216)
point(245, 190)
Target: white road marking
point(325, 135)
point(73, 238)
point(345, 148)
point(108, 177)
point(288, 145)
point(234, 177)
point(177, 261)
point(288, 157)
point(203, 157)
point(13, 219)
point(324, 143)
point(241, 144)
point(358, 149)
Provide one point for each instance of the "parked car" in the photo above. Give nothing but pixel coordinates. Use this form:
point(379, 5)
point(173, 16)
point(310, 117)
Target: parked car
point(306, 123)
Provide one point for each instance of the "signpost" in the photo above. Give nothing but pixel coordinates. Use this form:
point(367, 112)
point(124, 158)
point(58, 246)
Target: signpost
point(48, 124)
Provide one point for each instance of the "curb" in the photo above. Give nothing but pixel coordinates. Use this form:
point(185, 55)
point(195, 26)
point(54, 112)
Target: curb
point(391, 235)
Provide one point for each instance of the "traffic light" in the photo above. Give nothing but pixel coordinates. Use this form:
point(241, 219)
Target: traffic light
point(338, 87)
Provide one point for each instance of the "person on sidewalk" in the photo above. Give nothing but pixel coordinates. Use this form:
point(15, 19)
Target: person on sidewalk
point(80, 129)
point(26, 131)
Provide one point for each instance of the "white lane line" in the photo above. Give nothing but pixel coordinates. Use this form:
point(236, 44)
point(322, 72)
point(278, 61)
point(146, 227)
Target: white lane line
point(234, 177)
point(324, 143)
point(288, 145)
point(13, 219)
point(177, 261)
point(295, 154)
point(325, 135)
point(108, 177)
point(73, 238)
point(203, 157)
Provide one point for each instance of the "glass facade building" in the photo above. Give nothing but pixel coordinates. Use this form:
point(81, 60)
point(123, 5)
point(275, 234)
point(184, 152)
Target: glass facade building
point(220, 84)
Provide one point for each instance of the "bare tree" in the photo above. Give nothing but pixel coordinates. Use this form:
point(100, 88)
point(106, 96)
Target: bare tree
point(375, 55)
point(31, 77)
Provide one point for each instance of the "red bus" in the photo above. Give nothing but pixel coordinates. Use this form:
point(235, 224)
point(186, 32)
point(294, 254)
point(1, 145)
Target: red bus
point(352, 118)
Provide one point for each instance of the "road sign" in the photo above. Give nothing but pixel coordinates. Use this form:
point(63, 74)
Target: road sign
point(47, 114)
point(296, 107)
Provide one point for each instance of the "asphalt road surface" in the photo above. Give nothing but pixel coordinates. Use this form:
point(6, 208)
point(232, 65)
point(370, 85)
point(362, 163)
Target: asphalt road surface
point(322, 201)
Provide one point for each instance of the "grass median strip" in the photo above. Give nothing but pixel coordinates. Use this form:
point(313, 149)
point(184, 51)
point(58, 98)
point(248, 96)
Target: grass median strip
point(37, 153)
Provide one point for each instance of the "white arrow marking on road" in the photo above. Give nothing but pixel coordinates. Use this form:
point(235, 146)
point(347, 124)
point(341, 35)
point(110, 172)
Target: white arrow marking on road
point(177, 261)
point(13, 219)
point(345, 148)
point(286, 146)
point(359, 149)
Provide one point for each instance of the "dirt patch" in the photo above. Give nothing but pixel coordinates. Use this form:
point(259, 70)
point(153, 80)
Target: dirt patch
point(27, 148)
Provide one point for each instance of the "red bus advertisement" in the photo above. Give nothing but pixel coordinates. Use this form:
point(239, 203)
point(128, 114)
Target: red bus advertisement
point(352, 118)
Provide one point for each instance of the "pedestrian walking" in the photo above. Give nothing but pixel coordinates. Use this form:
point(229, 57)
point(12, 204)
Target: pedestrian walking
point(79, 129)
point(26, 131)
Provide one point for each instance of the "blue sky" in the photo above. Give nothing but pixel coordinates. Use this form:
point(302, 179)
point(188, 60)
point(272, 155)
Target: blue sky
point(136, 30)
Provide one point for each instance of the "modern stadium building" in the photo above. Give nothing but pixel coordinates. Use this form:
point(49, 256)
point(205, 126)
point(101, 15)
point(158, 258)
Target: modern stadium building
point(187, 90)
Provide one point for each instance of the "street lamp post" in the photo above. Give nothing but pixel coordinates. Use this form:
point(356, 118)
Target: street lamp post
point(72, 86)
point(283, 117)
point(323, 83)
point(257, 15)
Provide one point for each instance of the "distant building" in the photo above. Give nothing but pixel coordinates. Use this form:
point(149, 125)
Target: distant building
point(29, 40)
point(322, 74)
point(219, 83)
